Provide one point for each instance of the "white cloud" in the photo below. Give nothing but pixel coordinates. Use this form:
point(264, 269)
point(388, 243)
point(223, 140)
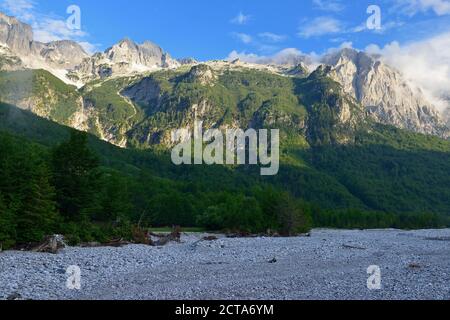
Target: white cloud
point(285, 56)
point(50, 29)
point(240, 19)
point(272, 37)
point(243, 37)
point(329, 5)
point(360, 28)
point(426, 64)
point(320, 26)
point(18, 8)
point(388, 26)
point(385, 26)
point(344, 45)
point(46, 28)
point(246, 57)
point(412, 7)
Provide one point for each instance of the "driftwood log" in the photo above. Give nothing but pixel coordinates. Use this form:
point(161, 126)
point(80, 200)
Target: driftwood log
point(159, 240)
point(51, 244)
point(210, 238)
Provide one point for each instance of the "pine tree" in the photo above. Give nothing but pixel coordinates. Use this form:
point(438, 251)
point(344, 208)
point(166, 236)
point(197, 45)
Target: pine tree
point(114, 203)
point(75, 176)
point(37, 215)
point(27, 206)
point(7, 226)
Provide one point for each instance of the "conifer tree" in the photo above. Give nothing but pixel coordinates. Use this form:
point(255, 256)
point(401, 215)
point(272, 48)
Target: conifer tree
point(7, 226)
point(75, 176)
point(37, 215)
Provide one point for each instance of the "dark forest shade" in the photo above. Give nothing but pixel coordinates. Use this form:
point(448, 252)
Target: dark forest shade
point(57, 180)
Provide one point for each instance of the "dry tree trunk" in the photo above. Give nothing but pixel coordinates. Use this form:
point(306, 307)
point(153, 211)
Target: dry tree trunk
point(51, 244)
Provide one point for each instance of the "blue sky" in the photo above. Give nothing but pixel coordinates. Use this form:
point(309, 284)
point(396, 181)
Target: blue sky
point(208, 29)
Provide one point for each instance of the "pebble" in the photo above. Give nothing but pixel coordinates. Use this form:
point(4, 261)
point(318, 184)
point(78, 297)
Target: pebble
point(304, 268)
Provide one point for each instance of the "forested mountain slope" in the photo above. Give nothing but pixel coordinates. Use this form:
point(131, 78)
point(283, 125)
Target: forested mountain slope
point(385, 178)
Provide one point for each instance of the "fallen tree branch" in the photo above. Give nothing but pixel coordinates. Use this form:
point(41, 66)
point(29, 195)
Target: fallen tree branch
point(51, 244)
point(163, 239)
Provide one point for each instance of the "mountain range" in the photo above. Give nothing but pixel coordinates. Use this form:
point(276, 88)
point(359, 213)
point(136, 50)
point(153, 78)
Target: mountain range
point(120, 92)
point(359, 145)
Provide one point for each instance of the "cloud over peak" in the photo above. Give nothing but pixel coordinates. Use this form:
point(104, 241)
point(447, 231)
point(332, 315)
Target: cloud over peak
point(424, 63)
point(286, 56)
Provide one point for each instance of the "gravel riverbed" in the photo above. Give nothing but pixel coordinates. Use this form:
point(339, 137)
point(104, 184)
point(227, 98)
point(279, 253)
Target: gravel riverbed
point(330, 264)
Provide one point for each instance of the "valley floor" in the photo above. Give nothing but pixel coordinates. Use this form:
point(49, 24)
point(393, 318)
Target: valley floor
point(328, 265)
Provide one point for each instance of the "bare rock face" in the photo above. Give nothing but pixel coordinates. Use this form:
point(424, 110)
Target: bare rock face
point(68, 61)
point(388, 98)
point(338, 115)
point(447, 116)
point(145, 55)
point(126, 51)
point(94, 67)
point(146, 92)
point(15, 34)
point(63, 54)
point(17, 39)
point(124, 58)
point(8, 60)
point(202, 74)
point(301, 71)
point(187, 61)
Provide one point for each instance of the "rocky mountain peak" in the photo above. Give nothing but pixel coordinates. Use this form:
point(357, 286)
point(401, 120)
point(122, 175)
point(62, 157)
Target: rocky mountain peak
point(15, 34)
point(64, 53)
point(348, 54)
point(147, 44)
point(146, 54)
point(387, 96)
point(126, 42)
point(56, 57)
point(186, 61)
point(301, 71)
point(68, 60)
point(124, 58)
point(293, 59)
point(321, 71)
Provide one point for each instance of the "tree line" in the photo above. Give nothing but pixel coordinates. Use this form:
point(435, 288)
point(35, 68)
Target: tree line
point(66, 190)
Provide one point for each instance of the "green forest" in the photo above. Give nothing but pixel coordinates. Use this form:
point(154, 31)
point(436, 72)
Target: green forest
point(65, 190)
point(55, 180)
